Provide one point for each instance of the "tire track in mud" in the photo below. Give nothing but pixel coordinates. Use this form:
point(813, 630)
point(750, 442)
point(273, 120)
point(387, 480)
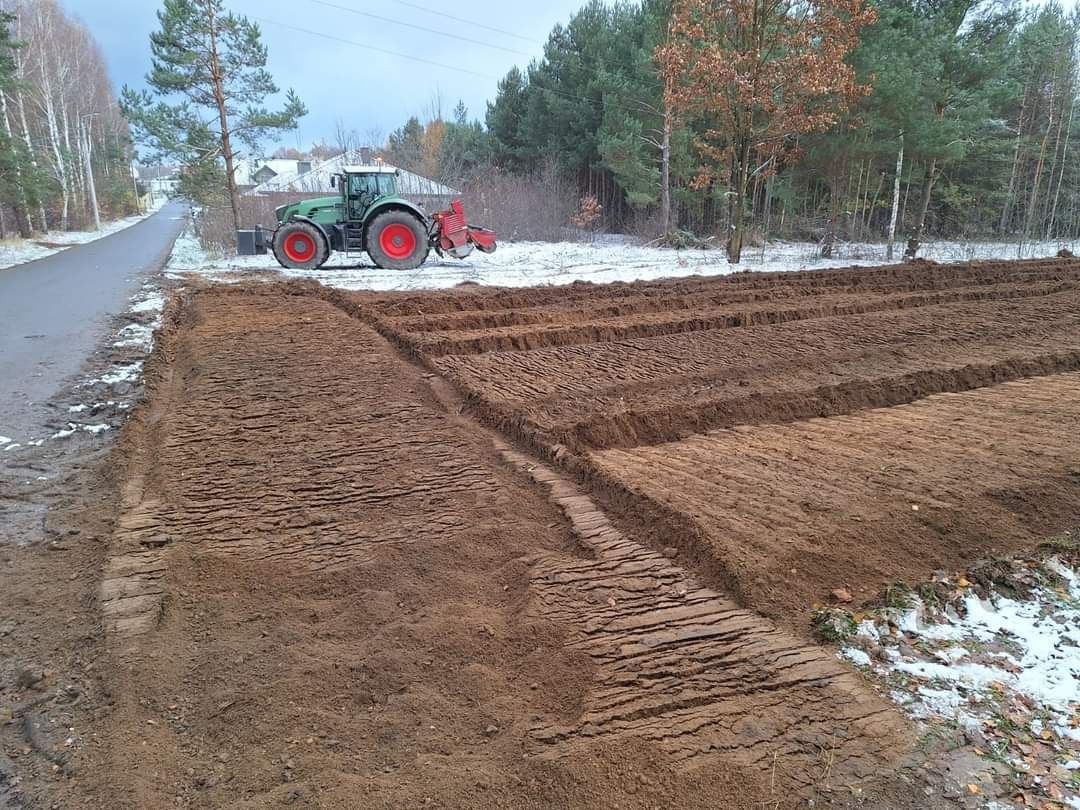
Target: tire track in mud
point(694, 672)
point(295, 445)
point(783, 543)
point(679, 321)
point(464, 306)
point(871, 498)
point(650, 390)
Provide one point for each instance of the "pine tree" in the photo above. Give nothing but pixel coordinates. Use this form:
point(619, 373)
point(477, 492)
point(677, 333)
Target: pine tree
point(215, 63)
point(21, 180)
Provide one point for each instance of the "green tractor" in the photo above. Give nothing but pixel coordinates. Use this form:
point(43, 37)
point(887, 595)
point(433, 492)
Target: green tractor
point(366, 216)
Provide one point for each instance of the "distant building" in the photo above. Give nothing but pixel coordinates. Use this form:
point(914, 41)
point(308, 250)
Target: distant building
point(317, 180)
point(163, 186)
point(251, 173)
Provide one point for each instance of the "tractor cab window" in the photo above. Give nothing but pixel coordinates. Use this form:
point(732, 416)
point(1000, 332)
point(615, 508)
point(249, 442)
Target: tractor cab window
point(364, 189)
point(375, 185)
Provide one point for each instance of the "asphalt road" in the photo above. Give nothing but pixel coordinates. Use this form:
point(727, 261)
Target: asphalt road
point(55, 311)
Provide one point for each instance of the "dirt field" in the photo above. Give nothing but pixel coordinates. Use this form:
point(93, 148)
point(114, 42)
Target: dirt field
point(559, 547)
point(694, 407)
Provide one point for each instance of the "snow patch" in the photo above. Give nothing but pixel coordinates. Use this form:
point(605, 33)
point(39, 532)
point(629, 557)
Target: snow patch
point(990, 658)
point(855, 656)
point(153, 302)
point(121, 374)
point(135, 336)
point(608, 259)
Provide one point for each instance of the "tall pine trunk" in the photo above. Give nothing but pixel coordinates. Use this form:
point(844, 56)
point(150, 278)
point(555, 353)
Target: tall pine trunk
point(665, 174)
point(1061, 172)
point(915, 241)
point(1006, 209)
point(22, 215)
point(218, 81)
point(1040, 163)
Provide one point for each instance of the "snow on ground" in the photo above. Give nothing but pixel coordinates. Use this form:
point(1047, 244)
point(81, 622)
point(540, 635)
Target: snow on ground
point(1003, 671)
point(608, 259)
point(118, 382)
point(19, 251)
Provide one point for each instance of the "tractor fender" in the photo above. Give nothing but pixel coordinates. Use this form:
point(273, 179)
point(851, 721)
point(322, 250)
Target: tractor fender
point(395, 204)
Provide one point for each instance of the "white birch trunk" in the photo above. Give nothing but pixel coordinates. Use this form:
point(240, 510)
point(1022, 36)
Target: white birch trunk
point(895, 198)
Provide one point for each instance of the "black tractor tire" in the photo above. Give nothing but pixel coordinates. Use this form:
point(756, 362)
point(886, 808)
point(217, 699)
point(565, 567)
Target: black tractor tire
point(398, 240)
point(300, 246)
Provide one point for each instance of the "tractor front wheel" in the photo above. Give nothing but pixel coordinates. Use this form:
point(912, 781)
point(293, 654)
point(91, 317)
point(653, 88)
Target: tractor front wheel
point(300, 246)
point(397, 240)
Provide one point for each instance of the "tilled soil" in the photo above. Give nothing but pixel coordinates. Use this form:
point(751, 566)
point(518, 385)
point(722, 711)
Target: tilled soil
point(559, 547)
point(694, 407)
point(329, 588)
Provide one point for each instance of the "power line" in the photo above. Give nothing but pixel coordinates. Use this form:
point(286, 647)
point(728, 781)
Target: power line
point(601, 103)
point(473, 23)
point(375, 48)
point(435, 31)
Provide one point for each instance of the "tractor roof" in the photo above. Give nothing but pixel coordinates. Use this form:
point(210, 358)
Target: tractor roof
point(371, 169)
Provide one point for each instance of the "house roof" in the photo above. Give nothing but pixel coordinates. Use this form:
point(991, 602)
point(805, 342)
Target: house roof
point(380, 168)
point(318, 179)
point(247, 169)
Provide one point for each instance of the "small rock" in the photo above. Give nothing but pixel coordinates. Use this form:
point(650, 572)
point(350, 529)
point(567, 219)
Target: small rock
point(29, 678)
point(491, 731)
point(671, 552)
point(976, 738)
point(842, 595)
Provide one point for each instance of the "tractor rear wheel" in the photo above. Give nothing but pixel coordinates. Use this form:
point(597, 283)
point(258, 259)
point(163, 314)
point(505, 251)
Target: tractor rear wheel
point(397, 240)
point(300, 246)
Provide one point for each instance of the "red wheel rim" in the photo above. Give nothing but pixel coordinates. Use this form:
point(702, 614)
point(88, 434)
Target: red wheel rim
point(397, 241)
point(299, 247)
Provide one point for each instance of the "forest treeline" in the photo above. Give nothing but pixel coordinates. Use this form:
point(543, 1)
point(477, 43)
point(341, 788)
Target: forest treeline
point(65, 149)
point(830, 120)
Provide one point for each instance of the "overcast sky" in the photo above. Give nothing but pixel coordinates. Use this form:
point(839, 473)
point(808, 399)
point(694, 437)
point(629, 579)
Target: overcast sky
point(366, 88)
point(363, 87)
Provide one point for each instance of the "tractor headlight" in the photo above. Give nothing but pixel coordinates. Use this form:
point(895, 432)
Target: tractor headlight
point(279, 212)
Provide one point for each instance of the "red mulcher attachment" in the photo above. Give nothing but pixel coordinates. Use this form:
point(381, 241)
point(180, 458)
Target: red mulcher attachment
point(450, 234)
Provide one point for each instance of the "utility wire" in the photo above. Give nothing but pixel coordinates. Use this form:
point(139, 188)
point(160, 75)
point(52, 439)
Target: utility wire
point(642, 108)
point(435, 31)
point(374, 48)
point(473, 23)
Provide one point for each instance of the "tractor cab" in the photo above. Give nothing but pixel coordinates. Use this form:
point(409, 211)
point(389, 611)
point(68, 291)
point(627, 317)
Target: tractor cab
point(364, 186)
